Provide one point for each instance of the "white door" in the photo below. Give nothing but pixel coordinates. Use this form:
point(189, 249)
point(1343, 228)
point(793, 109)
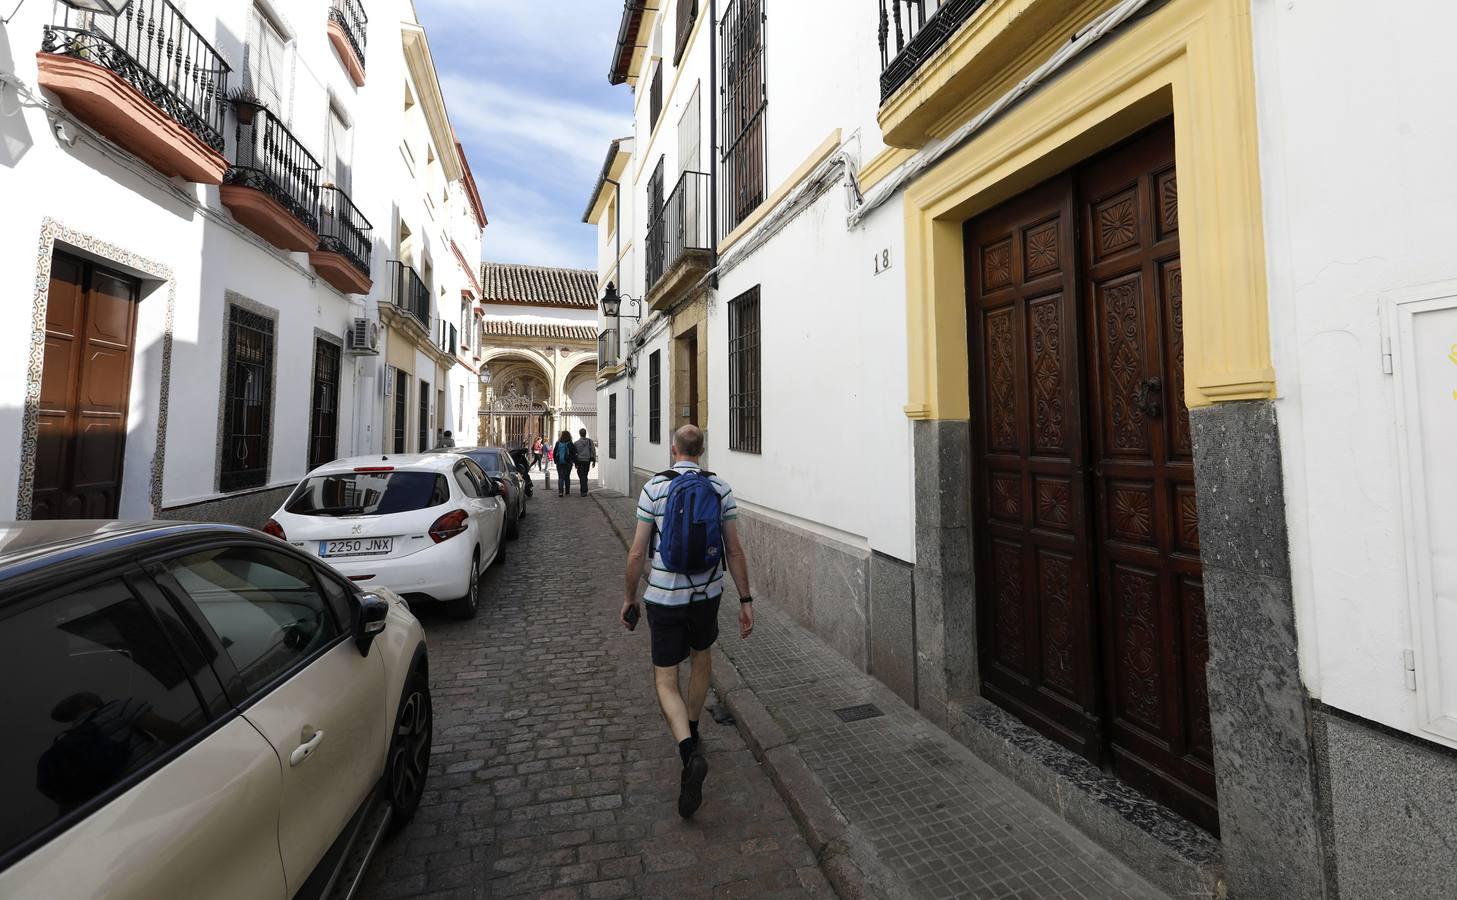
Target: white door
point(308, 690)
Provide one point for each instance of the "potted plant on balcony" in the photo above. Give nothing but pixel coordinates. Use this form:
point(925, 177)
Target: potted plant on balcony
point(245, 105)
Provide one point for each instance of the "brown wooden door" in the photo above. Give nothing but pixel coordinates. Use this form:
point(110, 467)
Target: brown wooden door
point(1037, 648)
point(1147, 526)
point(91, 321)
point(1091, 606)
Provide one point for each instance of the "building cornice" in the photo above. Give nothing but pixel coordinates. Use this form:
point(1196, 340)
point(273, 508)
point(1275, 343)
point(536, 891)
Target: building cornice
point(432, 99)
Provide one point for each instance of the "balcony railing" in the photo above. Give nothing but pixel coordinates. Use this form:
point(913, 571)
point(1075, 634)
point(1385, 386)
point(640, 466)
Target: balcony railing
point(350, 15)
point(409, 293)
point(343, 229)
point(157, 51)
point(607, 349)
point(270, 159)
point(681, 225)
point(912, 31)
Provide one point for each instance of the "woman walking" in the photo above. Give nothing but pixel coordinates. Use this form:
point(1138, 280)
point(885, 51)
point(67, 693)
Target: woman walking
point(564, 454)
point(536, 448)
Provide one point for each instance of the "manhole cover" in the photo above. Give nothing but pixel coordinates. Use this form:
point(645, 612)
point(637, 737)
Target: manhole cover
point(856, 713)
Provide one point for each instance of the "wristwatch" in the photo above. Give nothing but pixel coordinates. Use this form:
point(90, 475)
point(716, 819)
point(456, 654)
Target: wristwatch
point(746, 599)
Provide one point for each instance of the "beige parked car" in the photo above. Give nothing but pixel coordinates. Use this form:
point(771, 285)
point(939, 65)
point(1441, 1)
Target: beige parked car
point(198, 711)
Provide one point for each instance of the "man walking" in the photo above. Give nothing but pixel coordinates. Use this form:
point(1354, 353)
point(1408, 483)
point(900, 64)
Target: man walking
point(688, 527)
point(586, 457)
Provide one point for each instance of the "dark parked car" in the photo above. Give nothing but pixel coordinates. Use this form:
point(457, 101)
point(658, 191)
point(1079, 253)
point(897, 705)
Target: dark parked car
point(499, 465)
point(199, 711)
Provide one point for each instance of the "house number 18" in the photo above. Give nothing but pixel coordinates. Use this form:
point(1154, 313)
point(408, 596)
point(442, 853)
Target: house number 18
point(882, 261)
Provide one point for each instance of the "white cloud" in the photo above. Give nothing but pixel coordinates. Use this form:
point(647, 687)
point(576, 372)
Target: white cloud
point(529, 124)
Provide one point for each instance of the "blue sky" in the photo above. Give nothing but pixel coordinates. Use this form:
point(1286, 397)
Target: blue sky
point(526, 83)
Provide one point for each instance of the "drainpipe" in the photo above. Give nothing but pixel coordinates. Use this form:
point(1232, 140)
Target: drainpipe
point(713, 141)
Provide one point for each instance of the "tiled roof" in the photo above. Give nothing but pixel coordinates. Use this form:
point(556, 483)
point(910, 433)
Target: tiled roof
point(538, 285)
point(513, 328)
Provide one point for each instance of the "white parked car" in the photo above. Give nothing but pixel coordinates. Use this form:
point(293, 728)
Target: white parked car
point(423, 525)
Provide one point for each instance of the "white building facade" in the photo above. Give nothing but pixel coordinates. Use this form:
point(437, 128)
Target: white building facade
point(206, 212)
point(1136, 490)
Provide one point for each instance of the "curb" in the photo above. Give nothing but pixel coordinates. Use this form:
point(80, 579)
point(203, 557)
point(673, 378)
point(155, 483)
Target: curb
point(847, 859)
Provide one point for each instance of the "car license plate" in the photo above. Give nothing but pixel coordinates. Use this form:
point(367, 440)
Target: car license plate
point(357, 547)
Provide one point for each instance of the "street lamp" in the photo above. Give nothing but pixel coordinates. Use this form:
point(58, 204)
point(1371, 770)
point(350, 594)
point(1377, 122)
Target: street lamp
point(612, 303)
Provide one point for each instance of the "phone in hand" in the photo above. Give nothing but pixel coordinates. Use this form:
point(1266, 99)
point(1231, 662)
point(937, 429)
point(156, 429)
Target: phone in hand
point(634, 612)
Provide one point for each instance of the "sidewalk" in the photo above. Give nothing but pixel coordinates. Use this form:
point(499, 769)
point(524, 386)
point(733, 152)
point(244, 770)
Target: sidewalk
point(892, 805)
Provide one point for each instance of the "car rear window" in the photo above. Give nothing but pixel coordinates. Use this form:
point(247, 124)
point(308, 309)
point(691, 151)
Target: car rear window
point(368, 493)
point(490, 460)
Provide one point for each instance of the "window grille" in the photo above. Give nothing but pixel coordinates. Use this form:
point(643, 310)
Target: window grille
point(655, 98)
point(745, 423)
point(744, 97)
point(324, 410)
point(424, 437)
point(248, 416)
point(655, 397)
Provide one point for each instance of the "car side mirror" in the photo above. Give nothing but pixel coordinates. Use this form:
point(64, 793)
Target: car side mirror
point(370, 621)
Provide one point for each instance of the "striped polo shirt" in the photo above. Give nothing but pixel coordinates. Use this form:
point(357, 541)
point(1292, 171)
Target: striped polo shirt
point(674, 588)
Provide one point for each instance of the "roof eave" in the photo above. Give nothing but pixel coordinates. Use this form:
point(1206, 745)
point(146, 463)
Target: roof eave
point(626, 47)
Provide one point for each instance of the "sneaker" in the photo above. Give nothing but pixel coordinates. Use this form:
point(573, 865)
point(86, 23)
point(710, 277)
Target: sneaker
point(690, 794)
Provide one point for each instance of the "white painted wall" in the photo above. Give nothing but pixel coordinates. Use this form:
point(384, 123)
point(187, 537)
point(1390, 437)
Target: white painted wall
point(103, 192)
point(836, 442)
point(1358, 191)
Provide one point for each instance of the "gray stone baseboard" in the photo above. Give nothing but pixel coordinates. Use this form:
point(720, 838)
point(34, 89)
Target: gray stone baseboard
point(249, 508)
point(1156, 843)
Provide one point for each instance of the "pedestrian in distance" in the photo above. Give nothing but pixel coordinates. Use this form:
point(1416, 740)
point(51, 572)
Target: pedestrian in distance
point(564, 454)
point(446, 440)
point(687, 534)
point(586, 457)
point(545, 452)
point(536, 448)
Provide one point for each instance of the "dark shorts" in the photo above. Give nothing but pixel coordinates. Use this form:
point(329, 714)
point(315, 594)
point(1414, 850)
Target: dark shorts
point(678, 629)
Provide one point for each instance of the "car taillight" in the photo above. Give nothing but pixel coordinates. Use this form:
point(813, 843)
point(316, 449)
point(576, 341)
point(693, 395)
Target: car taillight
point(448, 526)
point(275, 529)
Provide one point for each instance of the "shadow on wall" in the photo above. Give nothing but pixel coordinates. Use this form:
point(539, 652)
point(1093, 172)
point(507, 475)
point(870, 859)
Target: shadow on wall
point(15, 139)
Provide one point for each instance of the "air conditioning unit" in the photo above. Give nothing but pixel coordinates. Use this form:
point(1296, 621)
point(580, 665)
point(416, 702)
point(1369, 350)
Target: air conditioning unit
point(364, 337)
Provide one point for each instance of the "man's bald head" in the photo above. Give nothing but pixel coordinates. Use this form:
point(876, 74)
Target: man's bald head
point(688, 441)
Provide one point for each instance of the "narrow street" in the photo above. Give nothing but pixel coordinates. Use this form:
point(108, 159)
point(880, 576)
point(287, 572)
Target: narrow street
point(552, 773)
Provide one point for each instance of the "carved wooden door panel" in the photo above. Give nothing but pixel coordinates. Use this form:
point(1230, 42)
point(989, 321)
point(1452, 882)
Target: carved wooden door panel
point(1035, 624)
point(91, 320)
point(1150, 584)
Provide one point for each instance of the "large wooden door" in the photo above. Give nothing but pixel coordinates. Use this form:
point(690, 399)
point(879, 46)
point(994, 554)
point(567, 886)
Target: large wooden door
point(91, 321)
point(1147, 527)
point(1091, 611)
point(1037, 646)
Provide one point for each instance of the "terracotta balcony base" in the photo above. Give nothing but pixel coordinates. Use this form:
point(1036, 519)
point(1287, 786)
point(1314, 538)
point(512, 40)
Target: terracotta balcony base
point(690, 266)
point(336, 269)
point(110, 104)
point(352, 63)
point(267, 218)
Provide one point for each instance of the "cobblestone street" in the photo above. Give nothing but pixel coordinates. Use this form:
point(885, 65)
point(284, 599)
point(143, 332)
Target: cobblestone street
point(553, 775)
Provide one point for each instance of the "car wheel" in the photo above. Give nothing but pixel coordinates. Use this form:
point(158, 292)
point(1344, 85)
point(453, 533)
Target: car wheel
point(466, 607)
point(409, 760)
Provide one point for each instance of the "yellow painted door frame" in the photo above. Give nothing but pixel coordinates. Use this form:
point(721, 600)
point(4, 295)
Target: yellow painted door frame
point(1191, 59)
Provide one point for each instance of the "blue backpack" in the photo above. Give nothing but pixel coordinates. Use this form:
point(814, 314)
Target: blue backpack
point(690, 541)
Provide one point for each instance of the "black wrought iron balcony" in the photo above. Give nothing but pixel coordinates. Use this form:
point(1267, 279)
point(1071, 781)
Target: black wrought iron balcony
point(679, 228)
point(608, 349)
point(344, 243)
point(270, 162)
point(409, 293)
point(152, 48)
point(347, 30)
point(912, 31)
